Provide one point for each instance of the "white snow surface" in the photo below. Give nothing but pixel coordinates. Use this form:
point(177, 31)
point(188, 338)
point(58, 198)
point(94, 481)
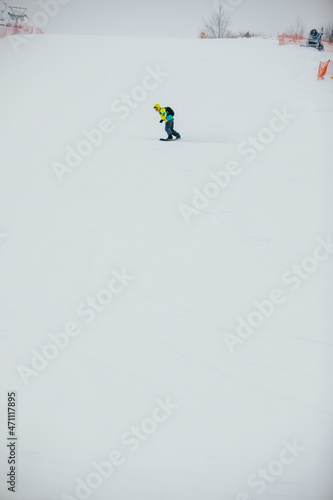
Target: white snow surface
point(163, 336)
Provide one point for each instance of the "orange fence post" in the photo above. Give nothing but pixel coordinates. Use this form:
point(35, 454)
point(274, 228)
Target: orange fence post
point(322, 70)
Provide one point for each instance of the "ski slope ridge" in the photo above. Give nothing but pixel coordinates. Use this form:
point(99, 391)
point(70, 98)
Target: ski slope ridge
point(100, 262)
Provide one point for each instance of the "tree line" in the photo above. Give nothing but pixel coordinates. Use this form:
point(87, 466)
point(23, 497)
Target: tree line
point(218, 26)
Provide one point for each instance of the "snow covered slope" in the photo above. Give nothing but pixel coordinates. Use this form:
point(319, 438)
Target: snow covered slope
point(125, 270)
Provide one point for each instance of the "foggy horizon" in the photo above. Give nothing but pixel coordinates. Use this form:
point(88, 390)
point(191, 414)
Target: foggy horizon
point(182, 19)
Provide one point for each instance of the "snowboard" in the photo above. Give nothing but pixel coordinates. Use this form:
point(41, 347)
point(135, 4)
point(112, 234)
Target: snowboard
point(169, 140)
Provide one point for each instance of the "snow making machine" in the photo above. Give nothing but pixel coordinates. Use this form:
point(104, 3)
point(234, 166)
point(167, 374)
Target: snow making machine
point(314, 40)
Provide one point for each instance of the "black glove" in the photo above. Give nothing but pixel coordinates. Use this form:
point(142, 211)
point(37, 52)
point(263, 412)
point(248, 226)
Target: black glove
point(161, 121)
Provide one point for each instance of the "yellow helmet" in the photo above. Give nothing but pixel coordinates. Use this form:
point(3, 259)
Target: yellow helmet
point(157, 107)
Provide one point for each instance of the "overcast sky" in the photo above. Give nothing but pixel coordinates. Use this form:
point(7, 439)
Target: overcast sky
point(178, 18)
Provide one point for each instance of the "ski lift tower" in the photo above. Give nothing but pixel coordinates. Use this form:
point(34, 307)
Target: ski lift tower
point(17, 15)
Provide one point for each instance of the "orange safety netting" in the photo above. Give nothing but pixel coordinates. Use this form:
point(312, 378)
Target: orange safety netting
point(297, 39)
point(328, 46)
point(290, 39)
point(19, 30)
point(325, 69)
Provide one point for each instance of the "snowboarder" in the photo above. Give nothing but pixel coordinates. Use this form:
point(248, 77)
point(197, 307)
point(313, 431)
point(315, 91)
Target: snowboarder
point(167, 116)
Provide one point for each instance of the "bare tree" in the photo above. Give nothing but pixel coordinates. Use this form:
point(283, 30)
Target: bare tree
point(328, 33)
point(217, 25)
point(299, 29)
point(290, 31)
